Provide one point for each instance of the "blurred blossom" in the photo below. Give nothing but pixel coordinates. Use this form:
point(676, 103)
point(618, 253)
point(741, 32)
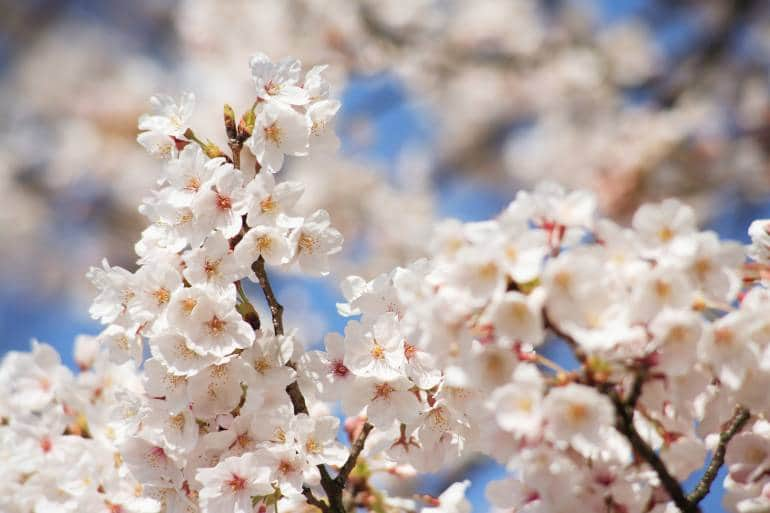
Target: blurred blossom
point(636, 103)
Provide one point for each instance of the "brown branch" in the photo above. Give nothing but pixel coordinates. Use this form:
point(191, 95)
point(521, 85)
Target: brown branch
point(355, 451)
point(333, 487)
point(297, 399)
point(313, 500)
point(236, 150)
point(735, 424)
point(624, 422)
point(276, 309)
point(636, 388)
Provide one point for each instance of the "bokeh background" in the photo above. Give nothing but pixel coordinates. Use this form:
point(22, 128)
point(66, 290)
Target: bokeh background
point(449, 108)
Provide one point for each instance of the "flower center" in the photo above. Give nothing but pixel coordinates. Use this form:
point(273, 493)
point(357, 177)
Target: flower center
point(243, 440)
point(188, 304)
point(285, 467)
point(723, 336)
point(312, 446)
point(339, 369)
point(524, 404)
point(377, 352)
point(211, 267)
point(268, 205)
point(162, 295)
point(662, 289)
point(224, 202)
point(261, 365)
point(273, 133)
point(383, 391)
point(264, 243)
point(236, 482)
point(306, 243)
point(46, 444)
point(577, 413)
point(272, 88)
point(216, 325)
point(178, 421)
point(665, 234)
point(193, 184)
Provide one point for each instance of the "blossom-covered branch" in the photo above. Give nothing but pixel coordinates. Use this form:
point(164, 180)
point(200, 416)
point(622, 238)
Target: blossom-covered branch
point(438, 363)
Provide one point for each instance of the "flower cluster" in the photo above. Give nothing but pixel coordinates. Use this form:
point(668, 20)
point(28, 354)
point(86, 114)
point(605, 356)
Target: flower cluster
point(57, 433)
point(214, 426)
point(444, 360)
point(441, 361)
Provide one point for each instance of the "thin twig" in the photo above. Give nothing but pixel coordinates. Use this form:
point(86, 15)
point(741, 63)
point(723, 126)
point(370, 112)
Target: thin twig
point(636, 388)
point(297, 399)
point(276, 309)
point(246, 309)
point(333, 487)
point(735, 424)
point(235, 148)
point(313, 500)
point(355, 451)
point(625, 424)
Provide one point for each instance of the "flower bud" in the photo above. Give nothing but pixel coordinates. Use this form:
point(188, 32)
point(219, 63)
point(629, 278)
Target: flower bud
point(212, 151)
point(246, 125)
point(230, 129)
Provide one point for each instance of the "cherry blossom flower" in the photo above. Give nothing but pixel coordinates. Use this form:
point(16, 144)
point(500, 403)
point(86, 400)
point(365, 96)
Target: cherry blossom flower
point(314, 240)
point(212, 264)
point(277, 81)
point(280, 130)
point(385, 401)
point(221, 205)
point(215, 328)
point(230, 485)
point(268, 199)
point(579, 416)
point(166, 125)
point(268, 242)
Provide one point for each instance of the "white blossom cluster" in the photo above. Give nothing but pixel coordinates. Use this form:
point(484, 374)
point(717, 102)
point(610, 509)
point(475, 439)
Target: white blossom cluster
point(214, 427)
point(442, 357)
point(442, 362)
point(57, 433)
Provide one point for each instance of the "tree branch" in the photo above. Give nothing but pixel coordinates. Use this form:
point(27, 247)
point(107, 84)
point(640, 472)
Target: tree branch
point(313, 500)
point(735, 424)
point(636, 388)
point(297, 399)
point(333, 487)
point(276, 309)
point(625, 424)
point(355, 451)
